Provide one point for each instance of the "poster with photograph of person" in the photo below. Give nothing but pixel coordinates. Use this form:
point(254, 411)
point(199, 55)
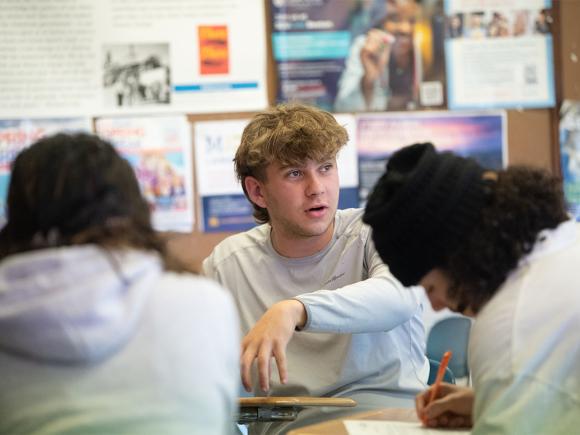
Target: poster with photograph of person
point(357, 56)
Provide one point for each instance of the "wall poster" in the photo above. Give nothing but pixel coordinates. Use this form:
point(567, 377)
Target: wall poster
point(351, 56)
point(71, 57)
point(159, 150)
point(17, 134)
point(499, 54)
point(481, 135)
point(570, 154)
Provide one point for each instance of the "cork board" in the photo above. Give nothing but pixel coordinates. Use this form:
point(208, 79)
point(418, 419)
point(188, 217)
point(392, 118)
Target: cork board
point(532, 134)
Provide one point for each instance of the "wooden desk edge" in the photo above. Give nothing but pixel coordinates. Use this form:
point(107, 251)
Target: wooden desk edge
point(296, 401)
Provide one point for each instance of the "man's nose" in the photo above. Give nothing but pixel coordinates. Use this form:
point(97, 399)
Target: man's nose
point(315, 185)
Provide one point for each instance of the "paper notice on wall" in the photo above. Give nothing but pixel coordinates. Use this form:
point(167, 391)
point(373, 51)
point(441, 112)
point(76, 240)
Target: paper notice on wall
point(159, 150)
point(70, 57)
point(499, 54)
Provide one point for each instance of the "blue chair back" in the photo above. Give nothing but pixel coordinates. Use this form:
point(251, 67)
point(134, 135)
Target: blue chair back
point(452, 334)
point(434, 368)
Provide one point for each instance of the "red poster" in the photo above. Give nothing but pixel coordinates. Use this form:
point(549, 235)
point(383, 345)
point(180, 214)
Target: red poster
point(213, 50)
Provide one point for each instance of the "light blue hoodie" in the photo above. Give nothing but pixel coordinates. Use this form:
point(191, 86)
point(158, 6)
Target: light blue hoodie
point(107, 342)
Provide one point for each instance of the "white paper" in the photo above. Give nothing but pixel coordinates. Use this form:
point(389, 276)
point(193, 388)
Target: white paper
point(216, 143)
point(347, 159)
point(370, 427)
point(71, 57)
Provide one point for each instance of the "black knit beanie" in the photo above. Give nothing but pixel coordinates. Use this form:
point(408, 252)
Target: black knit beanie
point(422, 207)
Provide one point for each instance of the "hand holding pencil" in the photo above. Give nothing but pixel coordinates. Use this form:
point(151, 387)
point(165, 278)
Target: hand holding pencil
point(443, 404)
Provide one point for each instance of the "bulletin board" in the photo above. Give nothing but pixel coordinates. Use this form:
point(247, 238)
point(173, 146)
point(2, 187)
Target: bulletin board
point(532, 134)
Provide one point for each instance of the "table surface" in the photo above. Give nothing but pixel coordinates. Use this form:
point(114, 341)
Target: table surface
point(336, 427)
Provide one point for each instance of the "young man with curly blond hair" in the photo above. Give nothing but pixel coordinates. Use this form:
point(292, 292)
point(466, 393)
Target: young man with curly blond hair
point(311, 268)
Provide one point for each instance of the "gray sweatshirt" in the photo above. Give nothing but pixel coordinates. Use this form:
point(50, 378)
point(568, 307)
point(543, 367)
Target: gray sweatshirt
point(109, 343)
point(381, 345)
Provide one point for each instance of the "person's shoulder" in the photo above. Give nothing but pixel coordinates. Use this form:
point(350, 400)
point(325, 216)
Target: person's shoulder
point(349, 223)
point(350, 215)
point(253, 239)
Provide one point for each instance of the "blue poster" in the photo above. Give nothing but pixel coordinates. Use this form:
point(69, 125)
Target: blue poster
point(353, 56)
point(480, 135)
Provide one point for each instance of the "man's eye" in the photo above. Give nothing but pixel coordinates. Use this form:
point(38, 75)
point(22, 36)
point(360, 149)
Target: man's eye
point(294, 173)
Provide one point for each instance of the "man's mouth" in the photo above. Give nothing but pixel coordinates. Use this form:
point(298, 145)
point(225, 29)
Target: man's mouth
point(316, 211)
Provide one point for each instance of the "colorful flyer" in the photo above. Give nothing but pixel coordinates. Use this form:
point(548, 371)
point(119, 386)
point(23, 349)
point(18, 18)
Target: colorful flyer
point(159, 150)
point(17, 134)
point(480, 135)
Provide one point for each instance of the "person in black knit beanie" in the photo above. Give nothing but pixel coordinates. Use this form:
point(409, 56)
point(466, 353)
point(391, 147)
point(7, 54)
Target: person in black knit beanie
point(422, 207)
point(499, 245)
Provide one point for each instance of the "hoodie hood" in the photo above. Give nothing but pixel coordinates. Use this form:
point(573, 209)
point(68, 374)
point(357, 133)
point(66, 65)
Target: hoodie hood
point(73, 305)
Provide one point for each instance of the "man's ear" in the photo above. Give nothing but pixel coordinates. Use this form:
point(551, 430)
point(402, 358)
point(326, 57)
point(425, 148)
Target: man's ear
point(254, 189)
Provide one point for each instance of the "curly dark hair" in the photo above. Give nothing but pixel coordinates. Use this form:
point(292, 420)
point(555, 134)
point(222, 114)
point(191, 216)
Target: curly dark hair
point(521, 203)
point(74, 189)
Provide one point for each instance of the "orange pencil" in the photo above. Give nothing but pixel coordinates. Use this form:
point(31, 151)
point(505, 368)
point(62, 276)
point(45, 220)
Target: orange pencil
point(440, 374)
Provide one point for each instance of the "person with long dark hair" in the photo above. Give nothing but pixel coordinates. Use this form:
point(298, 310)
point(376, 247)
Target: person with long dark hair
point(498, 245)
point(99, 333)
